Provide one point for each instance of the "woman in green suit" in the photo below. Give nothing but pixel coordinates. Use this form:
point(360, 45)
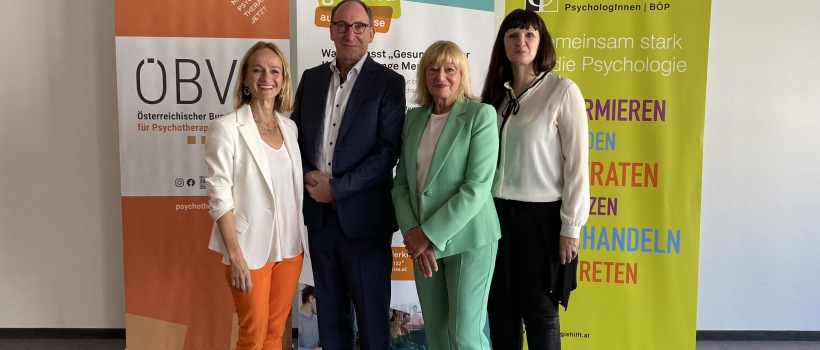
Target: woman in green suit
point(443, 202)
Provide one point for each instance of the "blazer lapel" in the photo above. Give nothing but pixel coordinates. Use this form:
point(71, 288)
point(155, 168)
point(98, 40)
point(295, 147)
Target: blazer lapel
point(362, 87)
point(250, 134)
point(412, 146)
point(289, 134)
point(452, 127)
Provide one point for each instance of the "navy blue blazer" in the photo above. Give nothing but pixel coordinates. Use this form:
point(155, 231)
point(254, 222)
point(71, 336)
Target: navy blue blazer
point(366, 151)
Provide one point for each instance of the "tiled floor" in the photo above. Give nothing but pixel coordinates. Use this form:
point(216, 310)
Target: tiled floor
point(119, 344)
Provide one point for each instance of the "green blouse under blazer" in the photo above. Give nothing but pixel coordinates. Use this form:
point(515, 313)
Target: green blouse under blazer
point(458, 207)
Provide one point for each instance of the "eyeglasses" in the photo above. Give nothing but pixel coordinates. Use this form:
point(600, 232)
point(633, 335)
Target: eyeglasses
point(342, 26)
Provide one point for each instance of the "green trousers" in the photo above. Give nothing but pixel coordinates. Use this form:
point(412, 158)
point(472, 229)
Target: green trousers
point(454, 300)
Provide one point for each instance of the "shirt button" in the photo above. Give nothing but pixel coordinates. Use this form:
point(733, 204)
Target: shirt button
point(328, 163)
point(334, 124)
point(331, 143)
point(337, 106)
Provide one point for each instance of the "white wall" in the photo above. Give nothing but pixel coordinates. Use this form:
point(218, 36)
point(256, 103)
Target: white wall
point(60, 233)
point(60, 226)
point(760, 243)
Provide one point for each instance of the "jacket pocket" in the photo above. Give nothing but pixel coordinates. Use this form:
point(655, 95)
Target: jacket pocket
point(240, 224)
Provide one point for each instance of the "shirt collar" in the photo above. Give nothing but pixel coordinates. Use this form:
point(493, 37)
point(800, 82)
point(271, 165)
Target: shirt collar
point(537, 80)
point(356, 68)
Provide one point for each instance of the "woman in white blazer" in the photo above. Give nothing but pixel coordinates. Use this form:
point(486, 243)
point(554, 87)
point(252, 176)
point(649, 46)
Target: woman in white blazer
point(255, 187)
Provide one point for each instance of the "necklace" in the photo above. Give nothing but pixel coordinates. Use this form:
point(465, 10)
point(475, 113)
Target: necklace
point(266, 129)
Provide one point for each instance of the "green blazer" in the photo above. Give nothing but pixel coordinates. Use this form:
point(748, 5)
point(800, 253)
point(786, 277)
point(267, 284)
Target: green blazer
point(458, 207)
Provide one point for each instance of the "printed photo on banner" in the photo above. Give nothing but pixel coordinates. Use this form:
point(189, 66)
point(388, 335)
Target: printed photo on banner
point(406, 324)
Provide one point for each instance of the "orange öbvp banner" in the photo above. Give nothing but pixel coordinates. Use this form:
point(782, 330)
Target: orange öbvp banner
point(171, 277)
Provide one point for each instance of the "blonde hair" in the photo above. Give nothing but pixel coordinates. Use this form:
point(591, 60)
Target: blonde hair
point(284, 100)
point(442, 51)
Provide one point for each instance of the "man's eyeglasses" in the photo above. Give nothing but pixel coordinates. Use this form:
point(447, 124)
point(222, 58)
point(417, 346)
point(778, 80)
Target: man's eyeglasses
point(342, 26)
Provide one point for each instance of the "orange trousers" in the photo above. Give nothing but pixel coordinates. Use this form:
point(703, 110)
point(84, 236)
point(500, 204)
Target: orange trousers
point(263, 312)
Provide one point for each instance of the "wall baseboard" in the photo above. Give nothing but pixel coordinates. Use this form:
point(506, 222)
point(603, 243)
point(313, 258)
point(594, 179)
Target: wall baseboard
point(63, 333)
point(119, 333)
point(759, 335)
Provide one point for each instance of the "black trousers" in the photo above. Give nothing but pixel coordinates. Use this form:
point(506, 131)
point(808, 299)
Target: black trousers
point(520, 289)
point(350, 272)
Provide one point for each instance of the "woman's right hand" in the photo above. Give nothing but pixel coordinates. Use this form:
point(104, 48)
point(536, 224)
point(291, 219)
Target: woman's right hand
point(426, 262)
point(241, 274)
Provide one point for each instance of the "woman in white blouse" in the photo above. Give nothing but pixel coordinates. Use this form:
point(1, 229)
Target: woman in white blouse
point(255, 187)
point(541, 186)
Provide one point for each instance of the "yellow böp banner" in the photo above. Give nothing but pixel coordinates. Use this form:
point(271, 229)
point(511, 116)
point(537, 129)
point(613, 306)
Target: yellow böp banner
point(642, 70)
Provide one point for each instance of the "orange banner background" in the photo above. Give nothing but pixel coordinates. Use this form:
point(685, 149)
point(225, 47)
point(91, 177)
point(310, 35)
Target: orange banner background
point(382, 16)
point(402, 265)
point(202, 18)
point(167, 262)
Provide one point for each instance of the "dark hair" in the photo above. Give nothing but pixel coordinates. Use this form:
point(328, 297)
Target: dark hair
point(360, 2)
point(307, 292)
point(500, 70)
point(406, 314)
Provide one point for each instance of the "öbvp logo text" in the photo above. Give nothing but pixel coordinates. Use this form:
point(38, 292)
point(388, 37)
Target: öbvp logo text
point(152, 80)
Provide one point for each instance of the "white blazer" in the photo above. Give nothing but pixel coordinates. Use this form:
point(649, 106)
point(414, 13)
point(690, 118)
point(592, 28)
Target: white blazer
point(239, 179)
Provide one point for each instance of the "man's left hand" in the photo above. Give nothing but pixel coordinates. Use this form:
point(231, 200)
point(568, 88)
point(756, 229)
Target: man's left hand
point(321, 192)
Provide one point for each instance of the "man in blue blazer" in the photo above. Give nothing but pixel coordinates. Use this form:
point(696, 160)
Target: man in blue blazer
point(350, 113)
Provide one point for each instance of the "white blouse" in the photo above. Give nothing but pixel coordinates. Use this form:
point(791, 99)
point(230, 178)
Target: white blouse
point(287, 228)
point(425, 153)
point(544, 150)
point(335, 105)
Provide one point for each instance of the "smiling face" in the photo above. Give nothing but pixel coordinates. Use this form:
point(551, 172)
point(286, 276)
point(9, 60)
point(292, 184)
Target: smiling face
point(521, 45)
point(264, 75)
point(351, 47)
point(443, 81)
